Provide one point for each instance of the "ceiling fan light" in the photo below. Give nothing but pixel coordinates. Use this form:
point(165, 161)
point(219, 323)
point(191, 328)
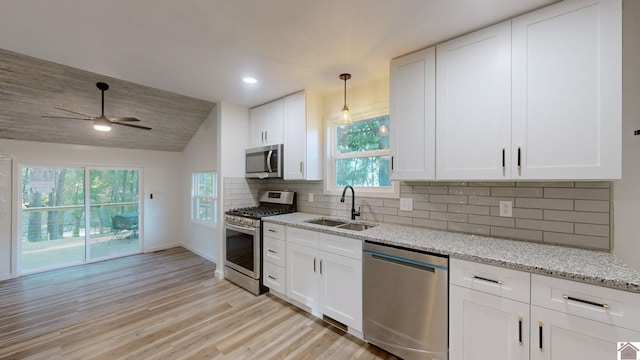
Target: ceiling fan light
point(102, 125)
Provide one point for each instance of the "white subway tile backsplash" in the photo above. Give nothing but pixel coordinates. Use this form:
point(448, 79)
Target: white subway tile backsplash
point(568, 213)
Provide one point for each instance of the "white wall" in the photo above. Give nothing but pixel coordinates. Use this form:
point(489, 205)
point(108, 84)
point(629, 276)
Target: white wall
point(161, 175)
point(233, 140)
point(5, 217)
point(201, 154)
point(626, 193)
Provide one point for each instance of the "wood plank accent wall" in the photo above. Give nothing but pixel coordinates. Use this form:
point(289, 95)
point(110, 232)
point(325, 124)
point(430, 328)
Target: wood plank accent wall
point(31, 88)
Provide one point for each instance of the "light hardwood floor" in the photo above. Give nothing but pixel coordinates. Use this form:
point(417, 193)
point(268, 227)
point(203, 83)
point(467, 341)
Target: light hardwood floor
point(162, 305)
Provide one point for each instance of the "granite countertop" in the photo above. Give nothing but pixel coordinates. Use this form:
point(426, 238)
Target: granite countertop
point(589, 266)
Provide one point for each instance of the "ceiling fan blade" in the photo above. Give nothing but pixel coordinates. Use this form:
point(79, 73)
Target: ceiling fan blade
point(131, 125)
point(123, 119)
point(64, 117)
point(73, 112)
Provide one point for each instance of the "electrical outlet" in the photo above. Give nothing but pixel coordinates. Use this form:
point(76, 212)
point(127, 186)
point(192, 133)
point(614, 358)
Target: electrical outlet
point(506, 208)
point(406, 204)
point(310, 197)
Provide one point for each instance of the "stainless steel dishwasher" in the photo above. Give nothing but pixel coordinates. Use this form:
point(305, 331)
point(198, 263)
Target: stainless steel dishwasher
point(406, 301)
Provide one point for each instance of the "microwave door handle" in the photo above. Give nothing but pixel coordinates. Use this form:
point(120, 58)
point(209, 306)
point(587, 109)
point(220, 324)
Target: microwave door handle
point(269, 156)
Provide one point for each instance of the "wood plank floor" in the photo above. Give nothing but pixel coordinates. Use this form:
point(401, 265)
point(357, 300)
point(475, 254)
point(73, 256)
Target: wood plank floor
point(162, 305)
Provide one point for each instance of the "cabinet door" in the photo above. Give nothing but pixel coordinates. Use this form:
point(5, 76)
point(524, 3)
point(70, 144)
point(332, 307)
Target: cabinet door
point(295, 151)
point(412, 119)
point(558, 336)
point(341, 284)
point(473, 106)
point(302, 280)
point(266, 124)
point(567, 84)
point(483, 326)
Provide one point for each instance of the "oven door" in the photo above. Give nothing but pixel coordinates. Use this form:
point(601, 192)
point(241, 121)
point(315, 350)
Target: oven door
point(243, 249)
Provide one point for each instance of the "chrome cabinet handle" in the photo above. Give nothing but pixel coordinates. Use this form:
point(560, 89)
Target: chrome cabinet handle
point(271, 251)
point(321, 267)
point(602, 305)
point(302, 167)
point(272, 278)
point(266, 136)
point(499, 282)
point(272, 230)
point(262, 136)
point(314, 264)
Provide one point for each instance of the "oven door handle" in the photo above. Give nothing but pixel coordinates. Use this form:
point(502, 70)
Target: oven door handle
point(242, 229)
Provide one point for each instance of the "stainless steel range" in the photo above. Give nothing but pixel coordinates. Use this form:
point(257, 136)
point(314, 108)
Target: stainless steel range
point(243, 234)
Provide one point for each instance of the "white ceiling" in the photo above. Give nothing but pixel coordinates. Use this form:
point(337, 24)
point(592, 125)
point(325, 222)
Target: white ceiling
point(202, 48)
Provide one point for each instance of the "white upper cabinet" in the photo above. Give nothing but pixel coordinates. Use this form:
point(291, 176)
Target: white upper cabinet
point(567, 84)
point(412, 116)
point(302, 137)
point(266, 124)
point(473, 105)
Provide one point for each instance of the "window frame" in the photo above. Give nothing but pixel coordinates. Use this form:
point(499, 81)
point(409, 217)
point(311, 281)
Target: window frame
point(213, 199)
point(330, 188)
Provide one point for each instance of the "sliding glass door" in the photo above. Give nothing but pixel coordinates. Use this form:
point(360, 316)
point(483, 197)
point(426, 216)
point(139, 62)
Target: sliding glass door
point(76, 215)
point(113, 199)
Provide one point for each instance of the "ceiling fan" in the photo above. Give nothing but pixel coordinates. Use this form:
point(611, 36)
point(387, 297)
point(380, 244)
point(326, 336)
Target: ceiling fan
point(102, 123)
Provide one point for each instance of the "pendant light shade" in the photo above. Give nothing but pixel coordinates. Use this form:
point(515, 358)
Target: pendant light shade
point(345, 116)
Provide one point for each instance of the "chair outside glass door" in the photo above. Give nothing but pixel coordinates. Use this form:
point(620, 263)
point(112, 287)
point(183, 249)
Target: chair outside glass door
point(58, 208)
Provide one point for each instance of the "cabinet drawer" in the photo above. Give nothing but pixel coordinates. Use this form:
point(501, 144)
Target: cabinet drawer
point(302, 237)
point(511, 284)
point(273, 251)
point(274, 278)
point(273, 230)
point(611, 306)
point(341, 246)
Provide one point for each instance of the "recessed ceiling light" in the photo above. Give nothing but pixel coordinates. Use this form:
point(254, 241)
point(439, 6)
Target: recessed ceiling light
point(249, 80)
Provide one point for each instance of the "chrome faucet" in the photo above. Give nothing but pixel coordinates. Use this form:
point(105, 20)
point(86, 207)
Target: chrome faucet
point(354, 213)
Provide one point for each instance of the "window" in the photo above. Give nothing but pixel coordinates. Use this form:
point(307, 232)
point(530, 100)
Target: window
point(204, 201)
point(360, 156)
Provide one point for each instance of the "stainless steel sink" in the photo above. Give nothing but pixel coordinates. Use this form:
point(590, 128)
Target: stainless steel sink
point(355, 226)
point(327, 222)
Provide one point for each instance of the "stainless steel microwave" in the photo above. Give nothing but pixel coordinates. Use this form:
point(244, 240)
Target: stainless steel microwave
point(264, 162)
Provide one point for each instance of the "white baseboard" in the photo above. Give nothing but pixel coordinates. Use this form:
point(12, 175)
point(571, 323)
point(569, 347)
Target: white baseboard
point(6, 276)
point(161, 247)
point(200, 253)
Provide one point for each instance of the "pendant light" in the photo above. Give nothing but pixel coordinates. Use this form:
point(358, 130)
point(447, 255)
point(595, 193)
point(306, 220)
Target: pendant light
point(345, 116)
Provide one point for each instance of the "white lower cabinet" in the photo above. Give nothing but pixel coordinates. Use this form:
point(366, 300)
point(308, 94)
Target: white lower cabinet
point(273, 258)
point(488, 312)
point(557, 335)
point(329, 282)
point(492, 316)
point(484, 326)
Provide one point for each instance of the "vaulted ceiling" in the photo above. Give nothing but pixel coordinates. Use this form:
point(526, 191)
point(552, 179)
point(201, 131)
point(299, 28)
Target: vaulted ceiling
point(201, 49)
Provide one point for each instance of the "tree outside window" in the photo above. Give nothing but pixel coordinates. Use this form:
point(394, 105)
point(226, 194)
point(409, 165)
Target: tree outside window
point(360, 155)
point(204, 201)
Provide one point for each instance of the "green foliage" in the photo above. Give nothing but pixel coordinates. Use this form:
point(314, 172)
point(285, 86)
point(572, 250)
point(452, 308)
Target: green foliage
point(360, 139)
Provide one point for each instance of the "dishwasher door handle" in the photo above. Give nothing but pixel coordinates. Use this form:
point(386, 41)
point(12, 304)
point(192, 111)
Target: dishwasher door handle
point(420, 265)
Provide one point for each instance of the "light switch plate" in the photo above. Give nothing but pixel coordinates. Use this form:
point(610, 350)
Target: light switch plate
point(406, 204)
point(506, 208)
point(310, 197)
